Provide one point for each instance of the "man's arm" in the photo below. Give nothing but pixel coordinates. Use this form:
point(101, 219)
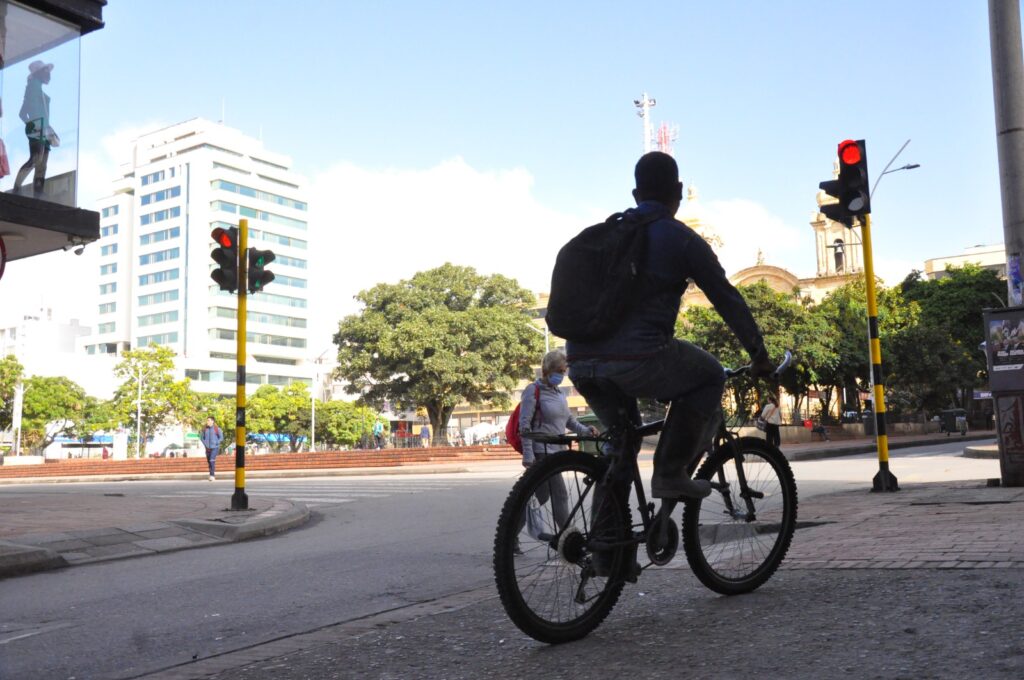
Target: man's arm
point(709, 276)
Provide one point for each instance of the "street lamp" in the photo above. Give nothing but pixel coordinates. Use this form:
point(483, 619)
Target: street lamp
point(886, 170)
point(547, 345)
point(138, 415)
point(312, 400)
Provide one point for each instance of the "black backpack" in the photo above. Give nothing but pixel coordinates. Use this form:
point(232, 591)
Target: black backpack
point(596, 277)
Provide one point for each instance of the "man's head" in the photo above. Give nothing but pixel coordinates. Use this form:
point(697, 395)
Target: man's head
point(657, 179)
point(209, 421)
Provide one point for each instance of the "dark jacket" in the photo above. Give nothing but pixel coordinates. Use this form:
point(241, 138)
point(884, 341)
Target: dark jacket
point(675, 255)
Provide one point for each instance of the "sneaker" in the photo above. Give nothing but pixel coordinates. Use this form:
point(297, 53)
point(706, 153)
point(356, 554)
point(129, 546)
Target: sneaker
point(212, 478)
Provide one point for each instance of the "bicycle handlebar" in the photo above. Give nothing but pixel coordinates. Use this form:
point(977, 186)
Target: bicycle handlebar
point(779, 370)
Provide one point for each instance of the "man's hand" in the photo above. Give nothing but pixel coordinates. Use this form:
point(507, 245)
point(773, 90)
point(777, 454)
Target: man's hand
point(761, 366)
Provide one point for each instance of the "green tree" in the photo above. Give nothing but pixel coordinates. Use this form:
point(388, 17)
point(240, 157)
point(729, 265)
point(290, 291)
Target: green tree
point(343, 423)
point(785, 324)
point(54, 407)
point(280, 411)
point(10, 375)
point(938, 359)
point(445, 336)
point(154, 366)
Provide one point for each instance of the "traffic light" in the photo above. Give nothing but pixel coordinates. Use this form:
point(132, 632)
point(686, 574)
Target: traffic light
point(226, 256)
point(851, 188)
point(258, 276)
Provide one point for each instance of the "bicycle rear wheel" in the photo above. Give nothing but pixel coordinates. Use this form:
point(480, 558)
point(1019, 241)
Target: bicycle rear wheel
point(730, 549)
point(554, 583)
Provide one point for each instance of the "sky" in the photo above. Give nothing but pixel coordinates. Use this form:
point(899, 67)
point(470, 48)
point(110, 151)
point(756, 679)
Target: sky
point(488, 134)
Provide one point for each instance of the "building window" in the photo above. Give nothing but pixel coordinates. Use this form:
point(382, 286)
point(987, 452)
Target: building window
point(160, 215)
point(162, 317)
point(290, 281)
point(159, 256)
point(266, 297)
point(109, 249)
point(108, 269)
point(255, 214)
point(157, 298)
point(157, 236)
point(259, 317)
point(291, 262)
point(107, 288)
point(106, 327)
point(108, 307)
point(153, 177)
point(109, 230)
point(110, 211)
point(160, 339)
point(258, 338)
point(162, 195)
point(157, 277)
point(242, 190)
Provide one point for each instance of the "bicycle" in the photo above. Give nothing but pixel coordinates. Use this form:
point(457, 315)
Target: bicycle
point(560, 570)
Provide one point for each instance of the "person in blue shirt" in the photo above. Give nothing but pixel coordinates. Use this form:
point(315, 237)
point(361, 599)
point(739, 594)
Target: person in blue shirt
point(211, 437)
point(643, 358)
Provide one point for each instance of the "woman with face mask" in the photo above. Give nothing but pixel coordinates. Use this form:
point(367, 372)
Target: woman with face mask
point(545, 410)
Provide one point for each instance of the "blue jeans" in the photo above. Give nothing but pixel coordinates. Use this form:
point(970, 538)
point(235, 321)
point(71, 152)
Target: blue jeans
point(211, 458)
point(682, 373)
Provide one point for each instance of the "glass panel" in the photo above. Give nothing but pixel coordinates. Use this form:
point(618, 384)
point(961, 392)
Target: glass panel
point(39, 88)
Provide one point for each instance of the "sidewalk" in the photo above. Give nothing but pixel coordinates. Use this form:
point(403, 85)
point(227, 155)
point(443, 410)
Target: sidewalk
point(921, 583)
point(46, 531)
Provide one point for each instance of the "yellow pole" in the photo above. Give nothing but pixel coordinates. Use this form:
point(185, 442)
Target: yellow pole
point(884, 480)
point(240, 501)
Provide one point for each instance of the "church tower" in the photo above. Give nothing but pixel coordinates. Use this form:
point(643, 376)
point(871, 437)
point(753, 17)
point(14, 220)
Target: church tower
point(839, 249)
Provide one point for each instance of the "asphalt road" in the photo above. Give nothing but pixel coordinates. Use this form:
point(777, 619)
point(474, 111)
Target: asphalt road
point(374, 544)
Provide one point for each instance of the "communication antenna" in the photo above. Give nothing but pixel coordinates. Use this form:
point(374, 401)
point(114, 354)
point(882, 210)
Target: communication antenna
point(644, 104)
point(666, 135)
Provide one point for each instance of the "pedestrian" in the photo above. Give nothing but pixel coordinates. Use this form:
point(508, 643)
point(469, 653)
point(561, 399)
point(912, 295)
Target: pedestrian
point(211, 438)
point(544, 409)
point(771, 414)
point(378, 434)
point(425, 435)
point(35, 113)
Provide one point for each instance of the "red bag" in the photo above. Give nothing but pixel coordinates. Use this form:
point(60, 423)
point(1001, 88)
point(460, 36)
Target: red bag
point(512, 426)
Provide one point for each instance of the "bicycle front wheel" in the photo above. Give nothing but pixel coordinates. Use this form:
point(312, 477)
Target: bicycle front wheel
point(737, 537)
point(561, 548)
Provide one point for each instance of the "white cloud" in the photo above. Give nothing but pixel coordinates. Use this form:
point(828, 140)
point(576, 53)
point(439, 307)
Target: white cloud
point(747, 228)
point(374, 226)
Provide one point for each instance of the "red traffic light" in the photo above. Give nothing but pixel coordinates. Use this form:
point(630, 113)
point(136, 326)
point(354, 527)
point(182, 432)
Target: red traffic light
point(223, 237)
point(849, 152)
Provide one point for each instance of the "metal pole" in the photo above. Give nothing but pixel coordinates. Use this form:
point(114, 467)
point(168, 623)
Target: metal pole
point(312, 424)
point(884, 480)
point(138, 417)
point(239, 500)
point(1007, 79)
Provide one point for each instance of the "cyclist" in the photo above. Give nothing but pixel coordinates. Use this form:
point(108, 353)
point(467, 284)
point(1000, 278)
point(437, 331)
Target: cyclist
point(642, 358)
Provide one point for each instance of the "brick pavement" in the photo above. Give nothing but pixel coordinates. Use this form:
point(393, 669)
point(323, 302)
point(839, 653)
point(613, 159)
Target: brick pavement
point(958, 525)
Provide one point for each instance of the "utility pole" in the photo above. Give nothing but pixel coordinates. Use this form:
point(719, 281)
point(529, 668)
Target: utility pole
point(240, 500)
point(1008, 89)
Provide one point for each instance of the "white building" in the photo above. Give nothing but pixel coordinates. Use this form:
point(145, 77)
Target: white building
point(991, 257)
point(154, 272)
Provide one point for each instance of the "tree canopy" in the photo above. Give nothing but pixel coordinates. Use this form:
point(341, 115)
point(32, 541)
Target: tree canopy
point(445, 336)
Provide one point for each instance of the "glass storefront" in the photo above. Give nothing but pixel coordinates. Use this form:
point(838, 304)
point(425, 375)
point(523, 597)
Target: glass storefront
point(39, 99)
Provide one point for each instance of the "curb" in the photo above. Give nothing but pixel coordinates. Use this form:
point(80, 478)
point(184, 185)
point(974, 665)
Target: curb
point(19, 560)
point(818, 454)
point(254, 474)
point(282, 516)
point(990, 451)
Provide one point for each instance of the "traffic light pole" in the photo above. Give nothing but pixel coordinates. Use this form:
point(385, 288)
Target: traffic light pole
point(240, 500)
point(884, 480)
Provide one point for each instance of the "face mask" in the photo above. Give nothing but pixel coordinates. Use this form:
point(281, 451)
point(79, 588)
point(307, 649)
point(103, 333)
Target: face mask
point(556, 378)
